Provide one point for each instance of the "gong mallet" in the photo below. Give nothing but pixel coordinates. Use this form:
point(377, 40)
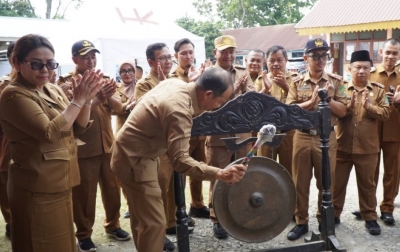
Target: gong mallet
point(266, 134)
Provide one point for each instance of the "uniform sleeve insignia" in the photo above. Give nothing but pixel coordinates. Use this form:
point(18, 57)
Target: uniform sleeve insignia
point(12, 97)
point(342, 90)
point(378, 84)
point(335, 76)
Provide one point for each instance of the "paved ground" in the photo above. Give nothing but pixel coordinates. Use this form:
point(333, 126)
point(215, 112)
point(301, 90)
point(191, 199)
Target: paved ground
point(351, 232)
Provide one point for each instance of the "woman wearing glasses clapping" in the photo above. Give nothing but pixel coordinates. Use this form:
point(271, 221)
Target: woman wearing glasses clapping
point(39, 122)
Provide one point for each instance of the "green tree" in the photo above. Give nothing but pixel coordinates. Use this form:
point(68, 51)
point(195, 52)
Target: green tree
point(16, 8)
point(207, 29)
point(251, 13)
point(61, 7)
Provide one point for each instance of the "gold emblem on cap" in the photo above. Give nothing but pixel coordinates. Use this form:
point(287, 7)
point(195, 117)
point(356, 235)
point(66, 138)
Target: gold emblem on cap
point(86, 43)
point(226, 41)
point(319, 42)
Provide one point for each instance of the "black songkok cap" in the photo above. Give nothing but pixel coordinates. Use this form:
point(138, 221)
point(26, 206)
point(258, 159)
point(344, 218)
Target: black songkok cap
point(362, 55)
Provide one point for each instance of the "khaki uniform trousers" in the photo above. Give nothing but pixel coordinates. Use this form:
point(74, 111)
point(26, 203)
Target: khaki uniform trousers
point(391, 166)
point(166, 176)
point(146, 208)
point(285, 151)
point(4, 204)
point(166, 182)
point(93, 171)
point(219, 156)
point(307, 156)
point(41, 221)
point(364, 165)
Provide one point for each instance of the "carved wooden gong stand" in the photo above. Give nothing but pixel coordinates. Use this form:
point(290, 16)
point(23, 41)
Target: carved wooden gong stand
point(249, 112)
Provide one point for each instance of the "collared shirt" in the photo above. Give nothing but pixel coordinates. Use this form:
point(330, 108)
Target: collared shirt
point(145, 84)
point(180, 73)
point(356, 132)
point(121, 117)
point(236, 72)
point(302, 88)
point(389, 131)
point(44, 157)
point(276, 90)
point(161, 122)
point(99, 137)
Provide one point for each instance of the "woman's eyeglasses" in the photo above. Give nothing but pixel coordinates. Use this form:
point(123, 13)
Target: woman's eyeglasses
point(35, 65)
point(129, 71)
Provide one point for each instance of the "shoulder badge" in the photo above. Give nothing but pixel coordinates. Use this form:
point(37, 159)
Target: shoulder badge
point(66, 76)
point(335, 76)
point(373, 69)
point(378, 84)
point(239, 67)
point(298, 78)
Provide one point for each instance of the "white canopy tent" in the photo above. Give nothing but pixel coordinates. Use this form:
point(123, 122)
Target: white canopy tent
point(120, 32)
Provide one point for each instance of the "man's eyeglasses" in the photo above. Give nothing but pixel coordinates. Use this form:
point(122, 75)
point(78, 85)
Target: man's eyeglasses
point(35, 65)
point(165, 58)
point(317, 57)
point(129, 71)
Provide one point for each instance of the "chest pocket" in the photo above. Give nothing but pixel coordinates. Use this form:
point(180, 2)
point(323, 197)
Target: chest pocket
point(304, 93)
point(60, 154)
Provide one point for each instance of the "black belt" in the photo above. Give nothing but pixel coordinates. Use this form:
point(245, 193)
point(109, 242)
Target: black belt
point(313, 132)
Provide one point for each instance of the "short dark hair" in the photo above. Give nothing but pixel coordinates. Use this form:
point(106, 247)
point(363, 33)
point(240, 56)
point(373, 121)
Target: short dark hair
point(25, 45)
point(10, 49)
point(139, 68)
point(275, 48)
point(181, 42)
point(152, 48)
point(257, 51)
point(392, 41)
point(215, 79)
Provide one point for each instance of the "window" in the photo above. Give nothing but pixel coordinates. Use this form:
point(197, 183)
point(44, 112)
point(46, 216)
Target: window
point(351, 36)
point(380, 34)
point(364, 46)
point(396, 33)
point(337, 37)
point(375, 50)
point(365, 35)
point(350, 48)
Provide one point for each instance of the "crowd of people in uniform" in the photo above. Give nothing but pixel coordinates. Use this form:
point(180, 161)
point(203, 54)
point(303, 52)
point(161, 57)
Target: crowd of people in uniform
point(58, 145)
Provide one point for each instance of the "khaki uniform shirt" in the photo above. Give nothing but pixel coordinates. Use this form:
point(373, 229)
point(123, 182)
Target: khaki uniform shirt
point(5, 155)
point(45, 158)
point(167, 111)
point(146, 84)
point(389, 131)
point(99, 137)
point(180, 74)
point(236, 73)
point(356, 132)
point(277, 92)
point(121, 117)
point(301, 89)
point(258, 83)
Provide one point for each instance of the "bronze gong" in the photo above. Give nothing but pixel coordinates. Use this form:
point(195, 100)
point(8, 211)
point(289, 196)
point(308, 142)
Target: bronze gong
point(260, 206)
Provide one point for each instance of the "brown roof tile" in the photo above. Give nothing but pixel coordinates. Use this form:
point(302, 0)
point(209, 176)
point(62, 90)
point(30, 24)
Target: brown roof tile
point(328, 13)
point(266, 36)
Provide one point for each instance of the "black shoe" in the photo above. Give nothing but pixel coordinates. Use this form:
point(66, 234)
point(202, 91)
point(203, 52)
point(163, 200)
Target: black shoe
point(190, 221)
point(172, 231)
point(127, 215)
point(219, 231)
point(387, 218)
point(373, 227)
point(8, 230)
point(203, 212)
point(337, 220)
point(86, 245)
point(297, 232)
point(357, 214)
point(168, 245)
point(119, 234)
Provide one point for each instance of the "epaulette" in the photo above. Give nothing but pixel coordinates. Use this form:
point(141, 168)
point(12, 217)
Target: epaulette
point(373, 69)
point(66, 76)
point(239, 67)
point(378, 84)
point(335, 76)
point(397, 63)
point(298, 78)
